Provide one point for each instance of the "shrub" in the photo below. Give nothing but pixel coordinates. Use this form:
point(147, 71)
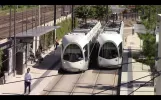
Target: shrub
point(65, 27)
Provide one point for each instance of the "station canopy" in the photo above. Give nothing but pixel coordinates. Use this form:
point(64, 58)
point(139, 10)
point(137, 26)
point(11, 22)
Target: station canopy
point(37, 31)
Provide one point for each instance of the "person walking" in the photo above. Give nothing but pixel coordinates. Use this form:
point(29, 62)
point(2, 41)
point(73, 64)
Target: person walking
point(133, 30)
point(27, 81)
point(56, 43)
point(40, 48)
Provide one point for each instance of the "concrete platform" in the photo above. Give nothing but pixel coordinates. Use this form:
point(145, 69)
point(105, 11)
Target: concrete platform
point(41, 75)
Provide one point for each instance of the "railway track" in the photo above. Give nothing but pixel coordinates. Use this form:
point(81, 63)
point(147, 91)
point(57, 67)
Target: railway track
point(27, 13)
point(87, 83)
point(18, 27)
point(30, 12)
point(32, 17)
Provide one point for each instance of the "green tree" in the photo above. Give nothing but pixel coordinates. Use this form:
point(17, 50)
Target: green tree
point(149, 48)
point(149, 45)
point(94, 12)
point(83, 12)
point(148, 15)
point(100, 11)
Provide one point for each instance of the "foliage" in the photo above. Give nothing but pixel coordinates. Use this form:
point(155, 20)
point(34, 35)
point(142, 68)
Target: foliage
point(1, 53)
point(65, 27)
point(83, 12)
point(49, 38)
point(146, 61)
point(148, 15)
point(94, 12)
point(141, 36)
point(149, 47)
point(101, 11)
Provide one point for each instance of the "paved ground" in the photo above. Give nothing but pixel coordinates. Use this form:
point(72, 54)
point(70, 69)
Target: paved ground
point(134, 71)
point(88, 83)
point(15, 86)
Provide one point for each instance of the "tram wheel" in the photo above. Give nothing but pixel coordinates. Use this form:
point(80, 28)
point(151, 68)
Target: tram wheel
point(61, 71)
point(83, 71)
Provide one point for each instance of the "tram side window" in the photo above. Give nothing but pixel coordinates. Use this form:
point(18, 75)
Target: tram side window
point(120, 49)
point(86, 50)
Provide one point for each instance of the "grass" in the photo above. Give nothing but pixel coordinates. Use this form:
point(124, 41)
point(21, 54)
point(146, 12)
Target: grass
point(65, 28)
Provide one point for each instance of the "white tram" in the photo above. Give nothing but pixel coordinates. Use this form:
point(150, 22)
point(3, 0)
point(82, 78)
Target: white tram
point(76, 47)
point(110, 46)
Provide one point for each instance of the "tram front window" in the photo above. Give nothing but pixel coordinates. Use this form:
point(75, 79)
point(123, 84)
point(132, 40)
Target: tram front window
point(108, 51)
point(73, 53)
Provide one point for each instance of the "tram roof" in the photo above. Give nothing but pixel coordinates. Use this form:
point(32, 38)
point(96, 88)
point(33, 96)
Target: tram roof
point(77, 30)
point(79, 35)
point(110, 36)
point(88, 25)
point(74, 37)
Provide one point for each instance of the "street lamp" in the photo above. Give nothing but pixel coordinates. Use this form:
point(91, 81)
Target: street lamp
point(10, 24)
point(39, 14)
point(54, 32)
point(14, 67)
point(72, 17)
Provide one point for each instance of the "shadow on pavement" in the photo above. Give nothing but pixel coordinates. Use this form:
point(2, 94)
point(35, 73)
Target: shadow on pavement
point(62, 72)
point(52, 57)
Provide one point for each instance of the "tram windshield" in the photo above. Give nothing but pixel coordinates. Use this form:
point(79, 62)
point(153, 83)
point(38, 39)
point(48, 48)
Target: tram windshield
point(73, 53)
point(108, 51)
